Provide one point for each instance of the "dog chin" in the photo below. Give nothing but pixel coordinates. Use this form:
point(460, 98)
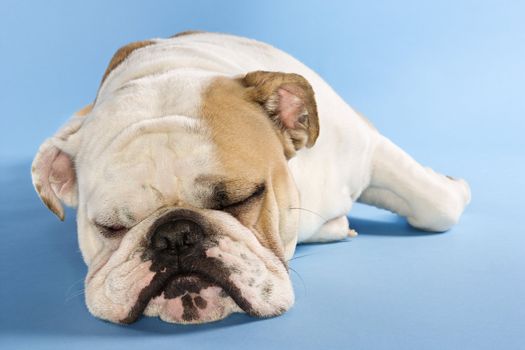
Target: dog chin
point(191, 299)
point(187, 298)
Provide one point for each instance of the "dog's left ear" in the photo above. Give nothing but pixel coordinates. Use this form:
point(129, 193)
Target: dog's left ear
point(53, 170)
point(289, 101)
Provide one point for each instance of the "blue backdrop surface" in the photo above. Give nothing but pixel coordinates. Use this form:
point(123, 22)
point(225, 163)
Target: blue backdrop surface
point(444, 80)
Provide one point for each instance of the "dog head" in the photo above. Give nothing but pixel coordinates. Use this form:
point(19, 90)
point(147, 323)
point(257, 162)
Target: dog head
point(185, 201)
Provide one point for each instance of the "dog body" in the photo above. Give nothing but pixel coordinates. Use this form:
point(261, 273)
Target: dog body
point(203, 161)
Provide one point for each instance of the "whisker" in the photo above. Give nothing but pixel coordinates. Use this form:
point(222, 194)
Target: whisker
point(302, 280)
point(70, 294)
point(309, 211)
point(74, 284)
point(74, 295)
point(300, 256)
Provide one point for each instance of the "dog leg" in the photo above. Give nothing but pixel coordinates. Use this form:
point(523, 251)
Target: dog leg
point(332, 230)
point(429, 200)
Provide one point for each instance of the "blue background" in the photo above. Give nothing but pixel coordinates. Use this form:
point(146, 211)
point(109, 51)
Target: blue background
point(443, 79)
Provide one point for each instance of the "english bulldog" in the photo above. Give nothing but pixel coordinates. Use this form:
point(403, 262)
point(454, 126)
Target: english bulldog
point(201, 164)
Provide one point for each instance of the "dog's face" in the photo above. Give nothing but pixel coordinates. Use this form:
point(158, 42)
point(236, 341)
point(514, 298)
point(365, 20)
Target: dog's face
point(186, 207)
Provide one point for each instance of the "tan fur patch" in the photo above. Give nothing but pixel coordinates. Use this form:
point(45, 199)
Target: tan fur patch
point(186, 32)
point(235, 121)
point(85, 110)
point(249, 148)
point(122, 54)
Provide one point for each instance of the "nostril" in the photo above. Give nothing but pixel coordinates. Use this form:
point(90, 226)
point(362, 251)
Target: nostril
point(159, 242)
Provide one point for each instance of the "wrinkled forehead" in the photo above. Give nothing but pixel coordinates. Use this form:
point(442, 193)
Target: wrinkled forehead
point(146, 147)
point(149, 163)
point(177, 145)
point(142, 100)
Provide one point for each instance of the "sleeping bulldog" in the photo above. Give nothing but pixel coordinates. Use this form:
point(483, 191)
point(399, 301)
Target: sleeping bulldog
point(204, 159)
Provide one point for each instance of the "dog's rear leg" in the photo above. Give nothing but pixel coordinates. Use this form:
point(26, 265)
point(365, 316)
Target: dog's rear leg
point(430, 201)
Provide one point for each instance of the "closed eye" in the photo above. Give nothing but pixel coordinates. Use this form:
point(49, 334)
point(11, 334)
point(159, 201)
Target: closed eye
point(259, 190)
point(111, 231)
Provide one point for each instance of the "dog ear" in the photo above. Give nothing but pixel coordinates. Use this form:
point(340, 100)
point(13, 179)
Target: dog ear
point(53, 170)
point(289, 101)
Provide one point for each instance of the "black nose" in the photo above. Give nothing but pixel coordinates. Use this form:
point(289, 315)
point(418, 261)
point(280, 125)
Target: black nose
point(176, 237)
